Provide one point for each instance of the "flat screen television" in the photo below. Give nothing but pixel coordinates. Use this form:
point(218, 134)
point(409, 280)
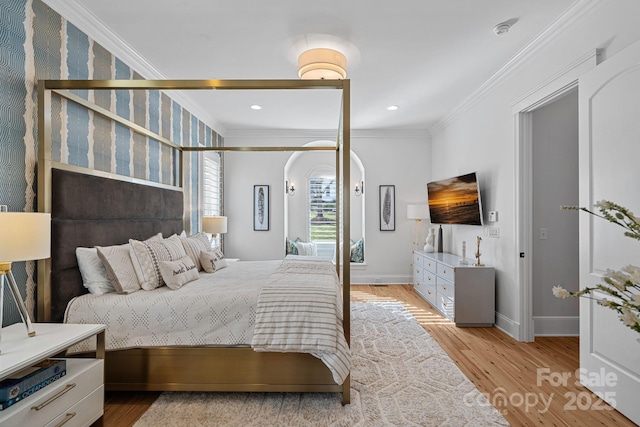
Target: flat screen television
point(455, 200)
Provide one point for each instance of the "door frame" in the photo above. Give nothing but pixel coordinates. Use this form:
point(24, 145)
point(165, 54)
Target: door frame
point(550, 90)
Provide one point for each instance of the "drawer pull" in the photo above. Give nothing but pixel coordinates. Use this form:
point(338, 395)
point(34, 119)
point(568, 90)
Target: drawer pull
point(66, 419)
point(444, 288)
point(67, 388)
point(429, 292)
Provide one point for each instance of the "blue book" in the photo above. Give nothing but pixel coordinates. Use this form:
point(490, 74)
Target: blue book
point(29, 380)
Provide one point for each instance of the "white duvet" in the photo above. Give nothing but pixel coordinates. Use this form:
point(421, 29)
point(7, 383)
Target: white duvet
point(218, 309)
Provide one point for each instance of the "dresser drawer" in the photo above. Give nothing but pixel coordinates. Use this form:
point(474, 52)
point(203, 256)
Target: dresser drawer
point(446, 306)
point(445, 271)
point(417, 259)
point(430, 294)
point(429, 278)
point(83, 413)
point(445, 288)
point(84, 376)
point(429, 264)
point(417, 274)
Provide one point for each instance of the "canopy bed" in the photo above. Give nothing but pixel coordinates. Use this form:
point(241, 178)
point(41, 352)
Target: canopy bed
point(107, 209)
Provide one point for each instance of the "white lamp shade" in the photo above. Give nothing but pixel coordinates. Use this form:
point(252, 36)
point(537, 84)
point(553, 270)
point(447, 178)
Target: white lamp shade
point(214, 224)
point(417, 211)
point(25, 236)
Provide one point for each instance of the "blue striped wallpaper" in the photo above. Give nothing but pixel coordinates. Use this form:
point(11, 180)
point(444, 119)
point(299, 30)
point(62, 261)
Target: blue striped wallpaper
point(37, 43)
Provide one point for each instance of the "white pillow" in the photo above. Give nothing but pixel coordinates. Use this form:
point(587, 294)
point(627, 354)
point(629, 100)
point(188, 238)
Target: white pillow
point(195, 244)
point(94, 274)
point(146, 257)
point(307, 248)
point(177, 273)
point(212, 260)
point(117, 261)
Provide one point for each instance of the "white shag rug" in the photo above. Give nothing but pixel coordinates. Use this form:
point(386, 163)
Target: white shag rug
point(400, 377)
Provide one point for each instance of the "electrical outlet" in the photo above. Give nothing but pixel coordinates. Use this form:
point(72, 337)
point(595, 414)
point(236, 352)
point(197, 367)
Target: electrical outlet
point(4, 208)
point(493, 216)
point(377, 280)
point(492, 232)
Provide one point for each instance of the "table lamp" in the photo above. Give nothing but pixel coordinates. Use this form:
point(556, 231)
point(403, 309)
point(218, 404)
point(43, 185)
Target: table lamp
point(26, 236)
point(214, 225)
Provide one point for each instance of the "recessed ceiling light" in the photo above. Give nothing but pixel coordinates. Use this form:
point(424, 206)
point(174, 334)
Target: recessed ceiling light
point(392, 107)
point(256, 107)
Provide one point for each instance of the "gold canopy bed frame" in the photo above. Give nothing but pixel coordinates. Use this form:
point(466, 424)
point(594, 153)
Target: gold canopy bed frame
point(194, 368)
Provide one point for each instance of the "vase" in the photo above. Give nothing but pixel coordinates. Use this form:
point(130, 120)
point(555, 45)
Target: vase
point(428, 247)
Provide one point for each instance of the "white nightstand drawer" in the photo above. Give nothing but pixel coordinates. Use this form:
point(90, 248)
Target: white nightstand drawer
point(83, 377)
point(445, 271)
point(83, 413)
point(445, 288)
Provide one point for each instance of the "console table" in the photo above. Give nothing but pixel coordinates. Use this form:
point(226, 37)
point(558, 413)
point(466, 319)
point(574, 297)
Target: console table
point(462, 293)
point(76, 399)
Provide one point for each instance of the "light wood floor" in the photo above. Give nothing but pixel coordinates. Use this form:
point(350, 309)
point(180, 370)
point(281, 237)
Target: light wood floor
point(503, 368)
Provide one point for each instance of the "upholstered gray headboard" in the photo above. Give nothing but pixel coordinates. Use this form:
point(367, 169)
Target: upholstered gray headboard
point(89, 211)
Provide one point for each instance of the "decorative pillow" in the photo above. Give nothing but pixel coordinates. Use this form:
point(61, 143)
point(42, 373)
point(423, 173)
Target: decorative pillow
point(94, 274)
point(195, 244)
point(117, 262)
point(177, 273)
point(212, 261)
point(146, 257)
point(307, 248)
point(290, 247)
point(357, 251)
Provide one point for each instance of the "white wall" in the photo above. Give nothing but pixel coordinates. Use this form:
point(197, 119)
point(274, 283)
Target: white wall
point(400, 158)
point(481, 137)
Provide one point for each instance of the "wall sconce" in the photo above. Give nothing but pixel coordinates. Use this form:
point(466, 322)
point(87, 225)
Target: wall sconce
point(289, 190)
point(359, 188)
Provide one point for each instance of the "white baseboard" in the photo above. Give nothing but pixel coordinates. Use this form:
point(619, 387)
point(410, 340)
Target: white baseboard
point(380, 280)
point(556, 326)
point(508, 326)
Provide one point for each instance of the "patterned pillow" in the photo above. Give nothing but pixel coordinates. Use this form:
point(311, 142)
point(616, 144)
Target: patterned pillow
point(212, 261)
point(177, 273)
point(290, 247)
point(195, 244)
point(357, 251)
point(146, 257)
point(117, 261)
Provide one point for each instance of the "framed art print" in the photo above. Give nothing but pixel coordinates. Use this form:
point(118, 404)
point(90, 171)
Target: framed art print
point(261, 208)
point(387, 208)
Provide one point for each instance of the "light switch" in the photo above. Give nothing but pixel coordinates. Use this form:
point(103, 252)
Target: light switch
point(543, 234)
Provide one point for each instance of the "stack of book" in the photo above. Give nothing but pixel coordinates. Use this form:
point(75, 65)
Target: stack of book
point(29, 380)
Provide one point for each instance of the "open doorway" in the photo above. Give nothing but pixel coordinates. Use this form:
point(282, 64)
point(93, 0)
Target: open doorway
point(554, 232)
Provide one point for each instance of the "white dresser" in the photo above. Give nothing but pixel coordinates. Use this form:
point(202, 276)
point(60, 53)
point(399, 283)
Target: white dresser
point(76, 399)
point(464, 294)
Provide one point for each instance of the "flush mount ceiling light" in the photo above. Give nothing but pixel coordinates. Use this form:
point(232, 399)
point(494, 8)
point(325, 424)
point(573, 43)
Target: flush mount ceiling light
point(256, 107)
point(322, 63)
point(392, 107)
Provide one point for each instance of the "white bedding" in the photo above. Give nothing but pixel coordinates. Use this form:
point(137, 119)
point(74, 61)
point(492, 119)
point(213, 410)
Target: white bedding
point(216, 309)
point(219, 309)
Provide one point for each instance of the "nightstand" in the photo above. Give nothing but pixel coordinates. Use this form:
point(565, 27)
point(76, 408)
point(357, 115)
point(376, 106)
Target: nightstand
point(77, 399)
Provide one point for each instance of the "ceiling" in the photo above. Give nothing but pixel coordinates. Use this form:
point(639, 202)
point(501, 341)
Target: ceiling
point(425, 56)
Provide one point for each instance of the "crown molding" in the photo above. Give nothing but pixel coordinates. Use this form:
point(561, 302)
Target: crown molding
point(578, 11)
point(328, 134)
point(76, 13)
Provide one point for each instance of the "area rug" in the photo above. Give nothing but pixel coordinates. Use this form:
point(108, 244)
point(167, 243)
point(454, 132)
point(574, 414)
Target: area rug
point(400, 377)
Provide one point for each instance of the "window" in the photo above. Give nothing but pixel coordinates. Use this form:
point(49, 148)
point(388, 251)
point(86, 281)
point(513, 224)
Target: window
point(212, 186)
point(322, 209)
